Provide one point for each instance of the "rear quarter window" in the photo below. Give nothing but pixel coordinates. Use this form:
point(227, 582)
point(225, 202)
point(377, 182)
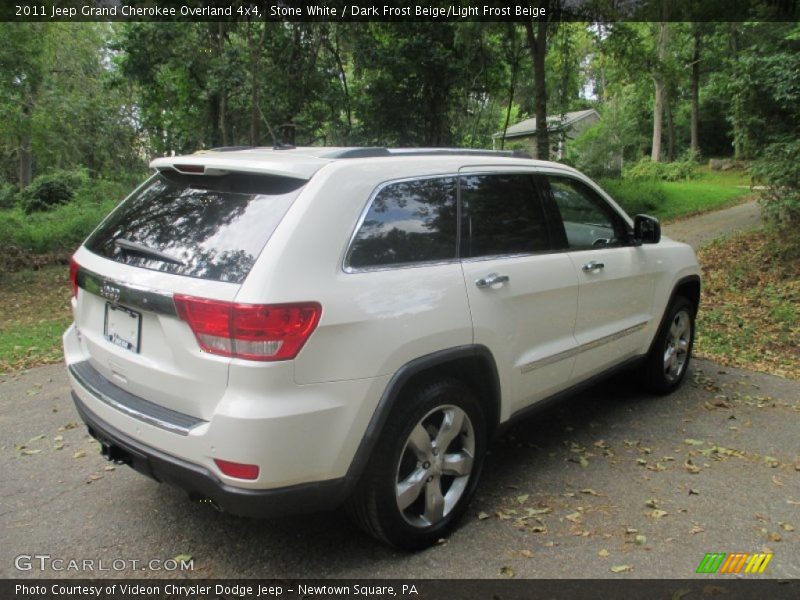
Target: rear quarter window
point(407, 223)
point(214, 227)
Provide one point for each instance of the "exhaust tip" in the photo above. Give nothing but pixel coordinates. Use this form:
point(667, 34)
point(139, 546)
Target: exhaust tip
point(205, 501)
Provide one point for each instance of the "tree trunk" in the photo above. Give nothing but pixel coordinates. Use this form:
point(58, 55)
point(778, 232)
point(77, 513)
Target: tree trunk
point(658, 105)
point(25, 160)
point(670, 129)
point(694, 145)
point(255, 64)
point(223, 106)
point(511, 89)
point(738, 112)
point(253, 89)
point(337, 56)
point(25, 164)
point(537, 45)
point(223, 96)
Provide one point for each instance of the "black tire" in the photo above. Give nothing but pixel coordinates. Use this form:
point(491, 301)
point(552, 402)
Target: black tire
point(402, 461)
point(668, 361)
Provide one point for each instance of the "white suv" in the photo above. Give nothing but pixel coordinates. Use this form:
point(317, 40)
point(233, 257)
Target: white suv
point(292, 329)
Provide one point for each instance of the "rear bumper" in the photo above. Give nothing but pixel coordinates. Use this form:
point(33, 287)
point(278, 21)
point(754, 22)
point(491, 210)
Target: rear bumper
point(200, 483)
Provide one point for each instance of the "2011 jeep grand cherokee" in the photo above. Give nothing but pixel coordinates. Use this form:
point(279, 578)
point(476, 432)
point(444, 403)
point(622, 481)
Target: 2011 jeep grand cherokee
point(293, 329)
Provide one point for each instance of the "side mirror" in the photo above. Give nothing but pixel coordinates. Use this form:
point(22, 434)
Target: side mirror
point(646, 230)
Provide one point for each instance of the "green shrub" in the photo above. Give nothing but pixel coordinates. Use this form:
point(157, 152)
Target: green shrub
point(8, 196)
point(51, 189)
point(646, 169)
point(779, 171)
point(595, 153)
point(64, 227)
point(636, 196)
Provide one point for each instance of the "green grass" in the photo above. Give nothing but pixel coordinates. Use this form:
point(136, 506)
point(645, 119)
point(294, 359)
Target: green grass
point(27, 345)
point(668, 200)
point(61, 230)
point(36, 311)
point(731, 177)
point(686, 198)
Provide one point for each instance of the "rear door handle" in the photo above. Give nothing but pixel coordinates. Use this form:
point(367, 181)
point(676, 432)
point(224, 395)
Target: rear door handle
point(491, 279)
point(591, 266)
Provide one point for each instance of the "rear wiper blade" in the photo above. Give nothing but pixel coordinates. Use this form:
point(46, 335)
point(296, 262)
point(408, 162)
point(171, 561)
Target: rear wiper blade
point(137, 248)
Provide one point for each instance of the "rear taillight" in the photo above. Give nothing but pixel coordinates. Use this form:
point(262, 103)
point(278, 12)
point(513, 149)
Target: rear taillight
point(73, 276)
point(238, 470)
point(250, 331)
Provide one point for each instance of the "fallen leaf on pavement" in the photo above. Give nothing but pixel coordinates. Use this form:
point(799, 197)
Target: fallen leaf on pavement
point(526, 553)
point(621, 568)
point(603, 553)
point(574, 517)
point(589, 491)
point(693, 442)
point(507, 571)
point(482, 515)
point(79, 454)
point(691, 467)
point(697, 529)
point(657, 514)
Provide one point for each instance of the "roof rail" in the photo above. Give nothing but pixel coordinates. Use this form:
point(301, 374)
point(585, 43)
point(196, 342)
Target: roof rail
point(366, 152)
point(377, 151)
point(458, 152)
point(228, 149)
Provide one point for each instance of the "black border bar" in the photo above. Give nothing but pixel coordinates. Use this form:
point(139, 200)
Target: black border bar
point(700, 587)
point(398, 10)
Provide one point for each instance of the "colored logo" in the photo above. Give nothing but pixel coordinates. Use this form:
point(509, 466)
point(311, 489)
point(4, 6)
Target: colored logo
point(738, 562)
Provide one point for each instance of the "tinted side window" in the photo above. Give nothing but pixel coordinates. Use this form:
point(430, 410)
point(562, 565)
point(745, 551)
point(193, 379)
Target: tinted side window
point(408, 222)
point(502, 215)
point(588, 221)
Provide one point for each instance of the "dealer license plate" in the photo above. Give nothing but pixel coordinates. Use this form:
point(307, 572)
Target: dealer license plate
point(123, 326)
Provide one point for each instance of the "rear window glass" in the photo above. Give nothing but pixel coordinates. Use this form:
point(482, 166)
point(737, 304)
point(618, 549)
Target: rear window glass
point(209, 227)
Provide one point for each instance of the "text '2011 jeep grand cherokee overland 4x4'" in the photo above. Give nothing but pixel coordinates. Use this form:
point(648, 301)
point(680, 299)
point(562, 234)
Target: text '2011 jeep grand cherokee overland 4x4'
point(293, 329)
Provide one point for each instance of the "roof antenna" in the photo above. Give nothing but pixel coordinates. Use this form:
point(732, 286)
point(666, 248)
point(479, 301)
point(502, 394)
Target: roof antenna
point(276, 143)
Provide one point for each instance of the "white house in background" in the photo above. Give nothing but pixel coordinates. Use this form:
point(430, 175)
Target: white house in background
point(561, 128)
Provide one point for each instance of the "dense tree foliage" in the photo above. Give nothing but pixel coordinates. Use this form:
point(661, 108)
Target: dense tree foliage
point(107, 97)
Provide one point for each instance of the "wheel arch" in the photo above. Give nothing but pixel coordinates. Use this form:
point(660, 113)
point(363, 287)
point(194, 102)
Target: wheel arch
point(472, 363)
point(689, 288)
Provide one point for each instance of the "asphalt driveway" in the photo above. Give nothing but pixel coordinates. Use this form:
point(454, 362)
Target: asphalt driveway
point(611, 483)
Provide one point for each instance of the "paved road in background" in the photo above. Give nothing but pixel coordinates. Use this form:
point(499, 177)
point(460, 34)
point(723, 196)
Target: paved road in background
point(611, 480)
point(698, 231)
point(565, 493)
